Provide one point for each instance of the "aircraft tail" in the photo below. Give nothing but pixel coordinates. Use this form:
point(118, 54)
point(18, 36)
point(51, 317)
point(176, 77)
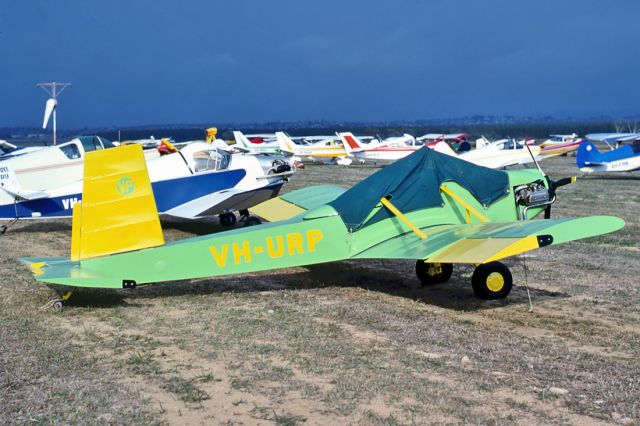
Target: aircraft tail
point(587, 154)
point(350, 142)
point(118, 211)
point(241, 140)
point(285, 143)
point(444, 148)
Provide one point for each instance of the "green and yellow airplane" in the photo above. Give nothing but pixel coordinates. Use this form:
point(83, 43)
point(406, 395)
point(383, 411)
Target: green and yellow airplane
point(428, 206)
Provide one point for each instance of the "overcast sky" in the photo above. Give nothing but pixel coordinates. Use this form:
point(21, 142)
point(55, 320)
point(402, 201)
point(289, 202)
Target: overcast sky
point(164, 62)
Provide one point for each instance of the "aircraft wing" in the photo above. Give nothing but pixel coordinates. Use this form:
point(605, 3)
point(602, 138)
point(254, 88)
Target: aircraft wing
point(488, 241)
point(296, 202)
point(25, 194)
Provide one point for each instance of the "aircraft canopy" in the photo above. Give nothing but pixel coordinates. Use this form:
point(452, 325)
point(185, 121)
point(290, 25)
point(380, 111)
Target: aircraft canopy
point(414, 183)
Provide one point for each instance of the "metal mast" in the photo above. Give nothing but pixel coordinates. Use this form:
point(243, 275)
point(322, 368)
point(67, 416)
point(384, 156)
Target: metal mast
point(54, 89)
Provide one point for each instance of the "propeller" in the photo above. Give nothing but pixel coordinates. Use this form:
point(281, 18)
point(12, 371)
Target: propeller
point(48, 110)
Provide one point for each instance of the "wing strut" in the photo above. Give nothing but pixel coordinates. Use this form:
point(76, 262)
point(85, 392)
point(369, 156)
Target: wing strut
point(467, 206)
point(385, 202)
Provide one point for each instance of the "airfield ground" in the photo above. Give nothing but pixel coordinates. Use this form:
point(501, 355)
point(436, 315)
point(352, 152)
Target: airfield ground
point(351, 342)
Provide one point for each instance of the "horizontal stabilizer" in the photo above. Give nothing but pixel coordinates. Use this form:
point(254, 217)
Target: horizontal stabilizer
point(294, 203)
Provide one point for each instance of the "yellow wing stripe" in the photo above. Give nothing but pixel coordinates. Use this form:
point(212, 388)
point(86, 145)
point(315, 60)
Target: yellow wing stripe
point(484, 250)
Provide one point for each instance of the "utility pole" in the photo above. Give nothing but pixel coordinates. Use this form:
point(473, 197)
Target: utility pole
point(54, 89)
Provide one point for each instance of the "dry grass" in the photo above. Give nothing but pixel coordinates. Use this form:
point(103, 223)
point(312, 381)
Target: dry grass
point(351, 342)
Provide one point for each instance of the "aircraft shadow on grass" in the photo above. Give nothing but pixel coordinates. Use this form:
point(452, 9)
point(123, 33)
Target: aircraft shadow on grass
point(456, 294)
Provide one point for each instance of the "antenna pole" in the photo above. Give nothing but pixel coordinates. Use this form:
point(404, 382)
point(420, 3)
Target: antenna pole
point(52, 89)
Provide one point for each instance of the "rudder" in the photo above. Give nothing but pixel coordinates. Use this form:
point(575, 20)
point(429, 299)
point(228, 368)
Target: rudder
point(118, 211)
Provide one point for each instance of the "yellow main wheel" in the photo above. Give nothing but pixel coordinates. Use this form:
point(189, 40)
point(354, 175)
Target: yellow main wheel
point(492, 281)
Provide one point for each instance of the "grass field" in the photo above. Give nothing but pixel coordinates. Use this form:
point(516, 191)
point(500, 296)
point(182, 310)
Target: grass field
point(350, 342)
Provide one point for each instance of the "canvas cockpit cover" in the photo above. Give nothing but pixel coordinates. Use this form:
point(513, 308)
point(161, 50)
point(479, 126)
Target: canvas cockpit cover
point(414, 183)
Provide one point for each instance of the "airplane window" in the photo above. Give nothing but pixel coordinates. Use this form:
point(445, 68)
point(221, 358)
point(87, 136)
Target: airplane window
point(71, 151)
point(216, 159)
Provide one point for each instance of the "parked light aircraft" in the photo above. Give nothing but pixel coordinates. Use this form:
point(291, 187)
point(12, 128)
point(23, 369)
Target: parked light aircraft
point(427, 206)
point(624, 158)
point(53, 166)
point(560, 145)
point(457, 141)
point(495, 155)
point(244, 144)
point(390, 149)
point(327, 151)
point(199, 180)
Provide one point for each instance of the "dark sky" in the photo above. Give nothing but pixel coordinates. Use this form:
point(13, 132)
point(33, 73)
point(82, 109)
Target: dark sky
point(163, 62)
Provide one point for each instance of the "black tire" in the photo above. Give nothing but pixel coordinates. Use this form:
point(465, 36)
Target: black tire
point(227, 219)
point(252, 221)
point(433, 273)
point(492, 281)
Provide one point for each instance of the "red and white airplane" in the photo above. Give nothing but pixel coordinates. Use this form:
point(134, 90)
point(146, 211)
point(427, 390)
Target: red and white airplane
point(390, 149)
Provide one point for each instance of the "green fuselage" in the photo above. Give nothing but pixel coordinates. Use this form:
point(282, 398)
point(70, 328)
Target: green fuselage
point(317, 236)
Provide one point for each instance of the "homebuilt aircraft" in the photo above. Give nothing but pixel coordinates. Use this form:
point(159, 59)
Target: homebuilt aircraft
point(624, 158)
point(390, 149)
point(328, 151)
point(560, 145)
point(427, 206)
point(495, 155)
point(199, 180)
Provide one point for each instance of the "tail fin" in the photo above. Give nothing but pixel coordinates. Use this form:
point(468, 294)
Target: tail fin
point(118, 211)
point(444, 148)
point(241, 140)
point(587, 154)
point(285, 143)
point(350, 142)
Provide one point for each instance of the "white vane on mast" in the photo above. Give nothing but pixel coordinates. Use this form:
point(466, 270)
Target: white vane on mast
point(54, 89)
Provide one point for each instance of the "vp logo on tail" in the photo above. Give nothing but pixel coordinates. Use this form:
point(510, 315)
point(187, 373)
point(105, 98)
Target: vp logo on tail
point(125, 185)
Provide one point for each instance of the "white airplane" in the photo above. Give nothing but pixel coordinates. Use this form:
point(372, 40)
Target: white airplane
point(200, 180)
point(245, 145)
point(35, 168)
point(458, 141)
point(327, 151)
point(496, 155)
point(390, 149)
point(560, 145)
point(10, 150)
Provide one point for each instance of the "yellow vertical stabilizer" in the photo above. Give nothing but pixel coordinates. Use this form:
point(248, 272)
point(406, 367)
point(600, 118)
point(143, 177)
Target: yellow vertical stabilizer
point(118, 211)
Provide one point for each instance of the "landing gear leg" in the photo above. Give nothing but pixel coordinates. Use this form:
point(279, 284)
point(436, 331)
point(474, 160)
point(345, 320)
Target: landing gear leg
point(3, 228)
point(433, 273)
point(59, 304)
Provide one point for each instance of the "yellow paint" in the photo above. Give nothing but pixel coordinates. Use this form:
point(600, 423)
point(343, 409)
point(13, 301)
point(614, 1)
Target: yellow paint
point(241, 253)
point(220, 257)
point(495, 281)
point(116, 217)
point(36, 268)
point(314, 236)
point(76, 223)
point(464, 204)
point(519, 246)
point(275, 252)
point(294, 243)
point(276, 209)
point(66, 296)
point(402, 217)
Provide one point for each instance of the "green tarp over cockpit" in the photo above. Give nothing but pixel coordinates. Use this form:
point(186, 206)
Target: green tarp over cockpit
point(414, 183)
